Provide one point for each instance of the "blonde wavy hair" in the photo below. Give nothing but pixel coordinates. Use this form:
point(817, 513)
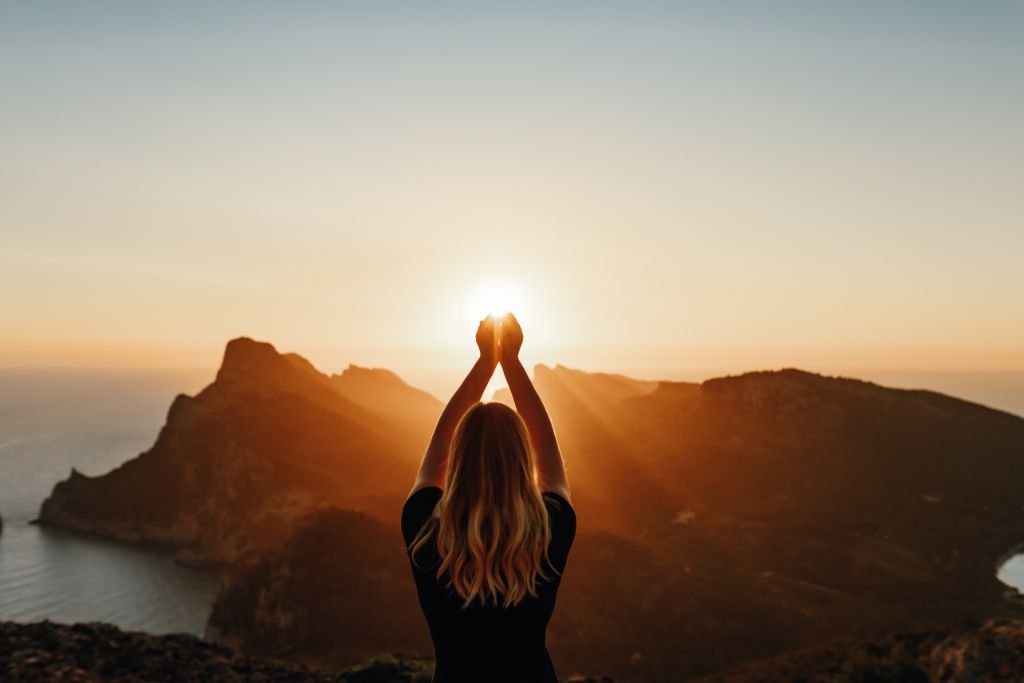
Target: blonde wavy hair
point(490, 526)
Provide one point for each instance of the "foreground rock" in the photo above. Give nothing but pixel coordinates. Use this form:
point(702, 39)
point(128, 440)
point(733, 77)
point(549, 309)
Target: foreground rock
point(993, 651)
point(238, 465)
point(101, 652)
point(990, 651)
point(86, 653)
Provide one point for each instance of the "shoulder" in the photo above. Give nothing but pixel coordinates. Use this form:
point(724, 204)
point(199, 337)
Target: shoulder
point(558, 499)
point(562, 518)
point(560, 510)
point(417, 510)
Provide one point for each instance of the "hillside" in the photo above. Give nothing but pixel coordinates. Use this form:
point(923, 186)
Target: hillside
point(338, 591)
point(235, 467)
point(724, 522)
point(719, 523)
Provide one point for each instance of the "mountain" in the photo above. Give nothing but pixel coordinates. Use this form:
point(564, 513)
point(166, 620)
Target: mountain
point(385, 393)
point(719, 523)
point(338, 591)
point(595, 387)
point(596, 444)
point(235, 467)
point(724, 522)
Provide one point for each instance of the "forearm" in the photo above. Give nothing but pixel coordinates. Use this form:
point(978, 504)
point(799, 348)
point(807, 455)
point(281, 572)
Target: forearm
point(469, 392)
point(529, 404)
point(550, 468)
point(435, 460)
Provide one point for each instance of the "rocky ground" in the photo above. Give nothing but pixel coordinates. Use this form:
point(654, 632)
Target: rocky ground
point(968, 653)
point(101, 652)
point(47, 651)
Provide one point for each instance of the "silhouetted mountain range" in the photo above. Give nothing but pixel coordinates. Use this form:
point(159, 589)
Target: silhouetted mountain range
point(719, 522)
point(237, 466)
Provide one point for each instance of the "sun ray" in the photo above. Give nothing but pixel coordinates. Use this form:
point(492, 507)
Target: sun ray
point(497, 297)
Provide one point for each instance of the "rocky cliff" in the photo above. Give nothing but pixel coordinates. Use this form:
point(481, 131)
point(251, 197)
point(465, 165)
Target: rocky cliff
point(338, 592)
point(722, 522)
point(719, 523)
point(269, 441)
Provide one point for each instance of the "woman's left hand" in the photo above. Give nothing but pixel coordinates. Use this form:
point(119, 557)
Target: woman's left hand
point(487, 340)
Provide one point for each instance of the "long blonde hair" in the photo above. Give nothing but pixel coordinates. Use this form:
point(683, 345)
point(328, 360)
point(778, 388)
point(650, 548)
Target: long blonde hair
point(490, 526)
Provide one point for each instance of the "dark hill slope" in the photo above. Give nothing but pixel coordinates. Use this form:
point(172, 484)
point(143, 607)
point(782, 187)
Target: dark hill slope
point(838, 482)
point(235, 466)
point(992, 652)
point(755, 514)
point(385, 393)
point(340, 591)
point(751, 514)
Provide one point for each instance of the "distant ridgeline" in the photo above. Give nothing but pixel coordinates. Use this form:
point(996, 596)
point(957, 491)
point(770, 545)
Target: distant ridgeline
point(720, 523)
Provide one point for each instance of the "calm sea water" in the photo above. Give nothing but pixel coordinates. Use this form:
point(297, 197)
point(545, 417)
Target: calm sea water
point(50, 422)
point(94, 421)
point(1012, 573)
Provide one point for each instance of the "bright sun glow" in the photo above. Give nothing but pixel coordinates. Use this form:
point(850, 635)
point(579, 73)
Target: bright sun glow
point(497, 298)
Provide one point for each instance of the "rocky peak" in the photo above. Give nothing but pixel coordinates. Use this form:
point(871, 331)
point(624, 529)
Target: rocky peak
point(779, 389)
point(245, 358)
point(596, 385)
point(383, 391)
point(357, 374)
point(259, 364)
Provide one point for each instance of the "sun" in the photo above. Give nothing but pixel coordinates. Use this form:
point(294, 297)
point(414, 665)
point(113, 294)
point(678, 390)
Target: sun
point(497, 297)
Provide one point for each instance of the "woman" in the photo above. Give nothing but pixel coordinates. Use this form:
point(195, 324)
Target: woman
point(488, 525)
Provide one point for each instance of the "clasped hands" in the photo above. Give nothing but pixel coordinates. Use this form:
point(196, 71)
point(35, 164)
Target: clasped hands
point(499, 339)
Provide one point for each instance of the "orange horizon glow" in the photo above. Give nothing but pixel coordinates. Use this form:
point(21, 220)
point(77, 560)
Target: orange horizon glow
point(659, 193)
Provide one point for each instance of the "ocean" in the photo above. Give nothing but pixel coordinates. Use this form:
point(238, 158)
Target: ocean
point(51, 421)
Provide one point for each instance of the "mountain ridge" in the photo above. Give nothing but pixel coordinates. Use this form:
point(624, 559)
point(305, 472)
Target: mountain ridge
point(236, 465)
point(720, 522)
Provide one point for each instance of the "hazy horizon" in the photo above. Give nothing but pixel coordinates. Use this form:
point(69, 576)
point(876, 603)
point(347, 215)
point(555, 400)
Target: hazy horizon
point(663, 189)
point(999, 390)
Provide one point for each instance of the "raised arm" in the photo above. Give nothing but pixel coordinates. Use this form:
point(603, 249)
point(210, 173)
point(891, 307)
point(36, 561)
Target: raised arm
point(435, 461)
point(550, 468)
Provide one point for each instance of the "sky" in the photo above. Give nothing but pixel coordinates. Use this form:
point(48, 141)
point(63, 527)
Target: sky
point(659, 188)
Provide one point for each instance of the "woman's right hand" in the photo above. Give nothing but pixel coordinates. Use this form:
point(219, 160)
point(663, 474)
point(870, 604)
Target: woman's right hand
point(511, 337)
point(487, 341)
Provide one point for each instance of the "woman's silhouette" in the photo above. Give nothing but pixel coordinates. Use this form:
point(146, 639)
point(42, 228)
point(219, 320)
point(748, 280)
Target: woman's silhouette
point(488, 525)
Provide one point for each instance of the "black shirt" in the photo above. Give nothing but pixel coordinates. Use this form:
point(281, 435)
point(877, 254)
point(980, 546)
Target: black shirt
point(487, 644)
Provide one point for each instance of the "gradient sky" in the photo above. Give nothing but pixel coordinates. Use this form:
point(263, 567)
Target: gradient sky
point(668, 186)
